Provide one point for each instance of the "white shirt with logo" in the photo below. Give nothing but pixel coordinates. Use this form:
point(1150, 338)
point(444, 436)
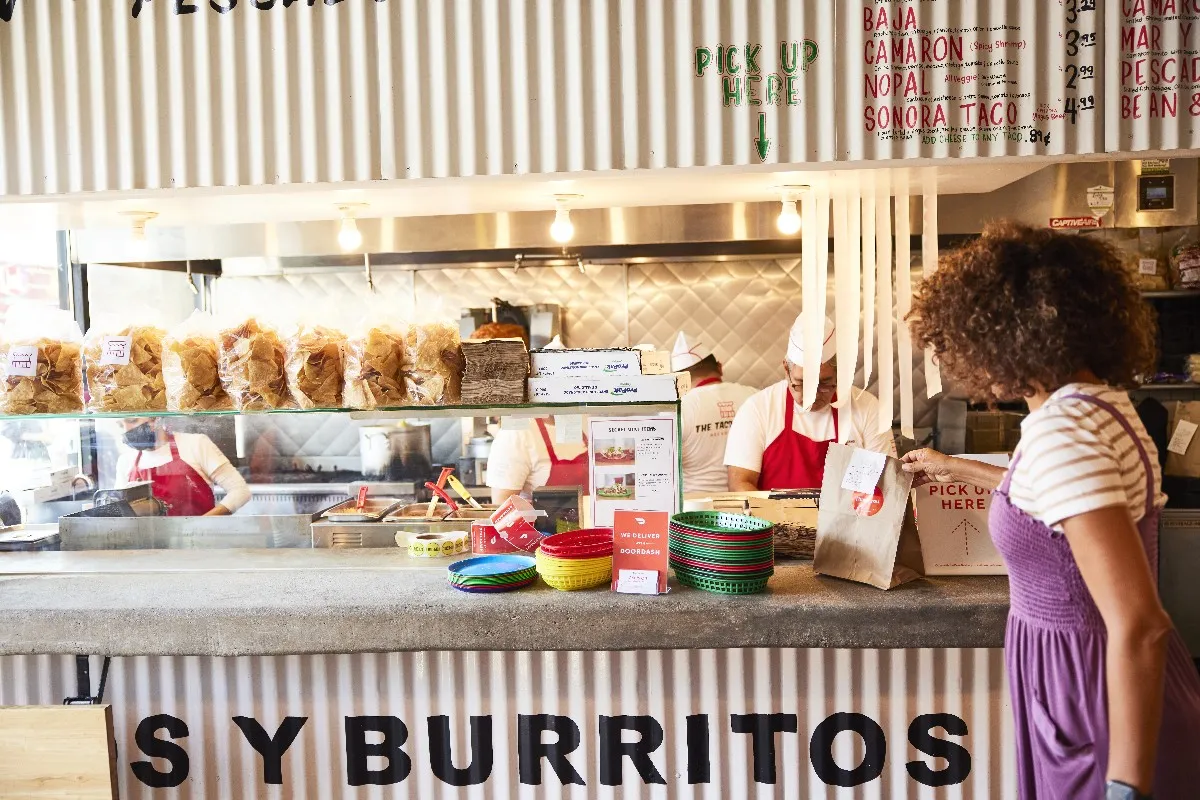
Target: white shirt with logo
point(760, 421)
point(708, 413)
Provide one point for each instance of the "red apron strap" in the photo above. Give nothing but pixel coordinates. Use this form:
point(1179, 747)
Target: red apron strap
point(546, 439)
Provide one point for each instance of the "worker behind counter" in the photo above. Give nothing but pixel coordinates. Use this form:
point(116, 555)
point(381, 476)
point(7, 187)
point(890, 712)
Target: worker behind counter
point(707, 413)
point(181, 467)
point(775, 444)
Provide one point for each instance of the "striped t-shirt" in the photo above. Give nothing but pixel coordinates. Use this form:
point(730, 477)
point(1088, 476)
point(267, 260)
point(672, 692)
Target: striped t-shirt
point(1076, 457)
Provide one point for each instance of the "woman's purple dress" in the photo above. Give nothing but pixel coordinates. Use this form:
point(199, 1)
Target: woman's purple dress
point(1055, 654)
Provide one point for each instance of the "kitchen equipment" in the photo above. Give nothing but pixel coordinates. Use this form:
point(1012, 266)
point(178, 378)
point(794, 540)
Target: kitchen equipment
point(373, 509)
point(1178, 562)
point(137, 500)
point(542, 320)
point(402, 452)
point(462, 492)
point(561, 504)
point(467, 471)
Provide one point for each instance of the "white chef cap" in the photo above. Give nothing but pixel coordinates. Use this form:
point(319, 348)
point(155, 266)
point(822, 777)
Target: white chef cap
point(685, 354)
point(796, 344)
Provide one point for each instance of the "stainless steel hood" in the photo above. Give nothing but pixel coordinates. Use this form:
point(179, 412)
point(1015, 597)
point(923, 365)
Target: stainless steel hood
point(509, 231)
point(1060, 190)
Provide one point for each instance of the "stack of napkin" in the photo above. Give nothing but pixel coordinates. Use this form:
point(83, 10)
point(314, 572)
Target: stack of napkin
point(495, 373)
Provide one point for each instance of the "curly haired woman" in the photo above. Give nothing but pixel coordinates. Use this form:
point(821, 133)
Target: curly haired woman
point(1103, 688)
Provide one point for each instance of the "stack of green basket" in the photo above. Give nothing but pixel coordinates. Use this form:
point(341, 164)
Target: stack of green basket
point(721, 552)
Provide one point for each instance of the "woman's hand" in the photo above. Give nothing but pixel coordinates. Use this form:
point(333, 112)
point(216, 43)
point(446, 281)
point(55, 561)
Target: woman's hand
point(929, 466)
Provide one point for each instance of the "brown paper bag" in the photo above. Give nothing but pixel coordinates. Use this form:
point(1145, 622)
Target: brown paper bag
point(1186, 465)
point(865, 539)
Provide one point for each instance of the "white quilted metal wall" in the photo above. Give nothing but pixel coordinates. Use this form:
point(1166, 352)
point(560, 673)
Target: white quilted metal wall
point(891, 687)
point(271, 92)
point(742, 307)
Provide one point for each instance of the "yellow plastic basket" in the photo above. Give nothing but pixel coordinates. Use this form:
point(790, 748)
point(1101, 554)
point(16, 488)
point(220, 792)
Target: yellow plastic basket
point(571, 583)
point(548, 565)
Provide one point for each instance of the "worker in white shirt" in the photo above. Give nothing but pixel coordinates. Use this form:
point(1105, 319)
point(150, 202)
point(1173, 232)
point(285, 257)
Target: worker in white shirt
point(775, 444)
point(707, 411)
point(528, 459)
point(182, 469)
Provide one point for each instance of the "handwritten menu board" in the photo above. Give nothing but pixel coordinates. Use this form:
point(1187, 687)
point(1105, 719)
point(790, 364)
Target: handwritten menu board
point(1154, 46)
point(935, 78)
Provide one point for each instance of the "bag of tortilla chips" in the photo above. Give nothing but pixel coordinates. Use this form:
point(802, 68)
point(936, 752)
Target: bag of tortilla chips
point(190, 359)
point(124, 369)
point(43, 362)
point(252, 366)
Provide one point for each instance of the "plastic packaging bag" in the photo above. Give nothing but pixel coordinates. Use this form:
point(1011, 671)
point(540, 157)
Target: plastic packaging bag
point(433, 365)
point(190, 358)
point(1185, 265)
point(315, 368)
point(123, 364)
point(43, 365)
point(374, 366)
point(251, 365)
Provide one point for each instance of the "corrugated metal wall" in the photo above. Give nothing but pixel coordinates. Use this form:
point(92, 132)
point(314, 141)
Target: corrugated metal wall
point(92, 99)
point(1030, 76)
point(889, 686)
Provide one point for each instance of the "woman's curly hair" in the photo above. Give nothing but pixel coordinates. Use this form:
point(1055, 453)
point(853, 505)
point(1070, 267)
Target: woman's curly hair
point(1024, 309)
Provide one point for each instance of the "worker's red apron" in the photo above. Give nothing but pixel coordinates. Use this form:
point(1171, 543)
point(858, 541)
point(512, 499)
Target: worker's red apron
point(793, 461)
point(564, 471)
point(177, 484)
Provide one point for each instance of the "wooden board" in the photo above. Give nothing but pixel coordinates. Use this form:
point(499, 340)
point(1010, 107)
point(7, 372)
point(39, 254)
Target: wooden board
point(59, 752)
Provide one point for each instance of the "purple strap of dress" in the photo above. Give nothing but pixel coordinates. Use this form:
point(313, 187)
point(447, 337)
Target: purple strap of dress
point(1137, 440)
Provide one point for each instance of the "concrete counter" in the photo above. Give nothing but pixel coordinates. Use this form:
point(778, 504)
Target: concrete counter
point(262, 602)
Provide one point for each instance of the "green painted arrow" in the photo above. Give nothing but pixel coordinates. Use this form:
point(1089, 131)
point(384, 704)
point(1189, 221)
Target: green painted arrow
point(762, 143)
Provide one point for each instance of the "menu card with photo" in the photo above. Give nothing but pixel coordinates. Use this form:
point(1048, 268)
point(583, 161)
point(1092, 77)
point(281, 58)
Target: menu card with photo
point(633, 466)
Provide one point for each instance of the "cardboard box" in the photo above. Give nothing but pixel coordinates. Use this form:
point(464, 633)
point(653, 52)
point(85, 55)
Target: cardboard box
point(598, 363)
point(992, 431)
point(795, 516)
point(604, 389)
point(656, 362)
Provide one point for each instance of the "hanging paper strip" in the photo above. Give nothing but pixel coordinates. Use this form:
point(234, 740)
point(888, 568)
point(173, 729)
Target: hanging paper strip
point(847, 291)
point(809, 290)
point(868, 276)
point(883, 302)
point(929, 263)
point(814, 323)
point(903, 304)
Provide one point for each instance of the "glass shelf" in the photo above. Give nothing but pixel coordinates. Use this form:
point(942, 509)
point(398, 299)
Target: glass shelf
point(1172, 293)
point(1168, 387)
point(410, 412)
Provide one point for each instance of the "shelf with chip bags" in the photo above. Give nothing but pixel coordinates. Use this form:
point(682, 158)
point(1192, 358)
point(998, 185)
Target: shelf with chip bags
point(522, 410)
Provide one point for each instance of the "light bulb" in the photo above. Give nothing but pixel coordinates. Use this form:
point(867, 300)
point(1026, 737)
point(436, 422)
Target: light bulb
point(789, 219)
point(349, 236)
point(562, 230)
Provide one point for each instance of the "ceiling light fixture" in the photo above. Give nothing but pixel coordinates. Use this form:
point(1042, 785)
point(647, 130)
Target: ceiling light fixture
point(349, 236)
point(562, 230)
point(788, 221)
point(137, 223)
